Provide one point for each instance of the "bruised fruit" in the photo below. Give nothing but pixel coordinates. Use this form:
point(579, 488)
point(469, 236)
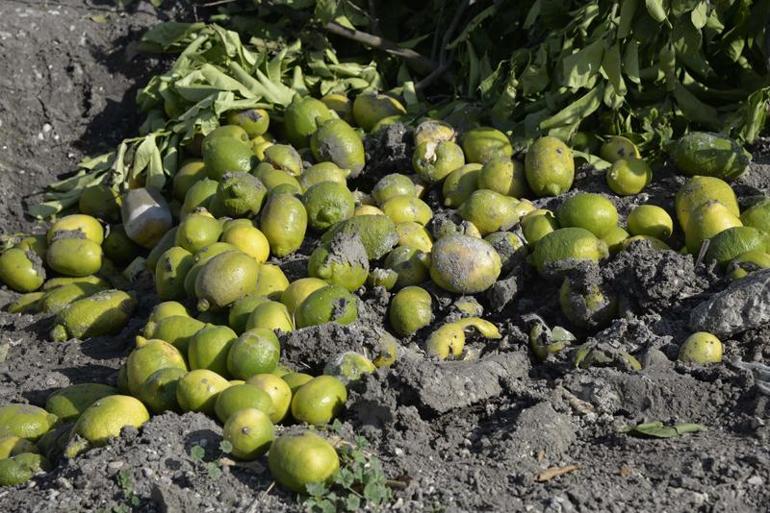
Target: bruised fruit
point(370, 108)
point(463, 264)
point(224, 279)
point(549, 167)
point(484, 144)
point(336, 141)
point(22, 270)
point(617, 148)
point(701, 348)
point(411, 309)
point(706, 154)
point(434, 161)
point(104, 313)
point(241, 194)
point(327, 304)
point(341, 261)
point(349, 366)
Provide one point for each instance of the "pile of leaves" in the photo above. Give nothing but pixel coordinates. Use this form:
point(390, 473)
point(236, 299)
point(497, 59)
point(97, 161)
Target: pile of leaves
point(647, 69)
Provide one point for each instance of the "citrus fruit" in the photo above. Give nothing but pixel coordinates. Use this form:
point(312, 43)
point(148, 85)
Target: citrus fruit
point(272, 316)
point(463, 264)
point(490, 211)
point(590, 211)
point(433, 161)
point(327, 304)
point(411, 309)
point(650, 220)
point(170, 272)
point(250, 433)
point(284, 222)
point(271, 282)
point(549, 167)
point(336, 141)
point(614, 239)
point(104, 313)
point(11, 445)
point(279, 393)
point(107, 417)
point(618, 148)
point(538, 224)
point(377, 233)
point(298, 290)
point(567, 244)
point(433, 130)
point(628, 176)
point(25, 421)
point(701, 348)
point(148, 357)
point(189, 173)
point(177, 330)
point(209, 348)
point(69, 402)
point(700, 189)
point(407, 208)
point(240, 397)
point(256, 351)
point(72, 256)
point(21, 270)
point(323, 172)
point(319, 400)
point(707, 220)
point(83, 226)
point(460, 183)
point(588, 306)
point(392, 185)
point(198, 390)
point(19, 469)
point(158, 391)
point(369, 108)
point(249, 239)
point(328, 203)
point(223, 154)
point(342, 261)
point(414, 235)
point(505, 176)
point(224, 279)
point(241, 194)
point(296, 380)
point(484, 143)
point(706, 154)
point(297, 460)
point(253, 121)
point(349, 366)
point(302, 117)
point(411, 265)
point(732, 242)
point(758, 216)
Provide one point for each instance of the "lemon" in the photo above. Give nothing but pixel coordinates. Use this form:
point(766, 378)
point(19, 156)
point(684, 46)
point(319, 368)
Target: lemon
point(70, 402)
point(411, 309)
point(748, 262)
point(490, 211)
point(189, 173)
point(369, 108)
point(250, 433)
point(628, 176)
point(148, 357)
point(549, 167)
point(299, 290)
point(323, 172)
point(297, 460)
point(701, 348)
point(25, 421)
point(271, 281)
point(275, 179)
point(224, 279)
point(249, 239)
point(505, 176)
point(73, 256)
point(567, 244)
point(107, 417)
point(197, 231)
point(279, 393)
point(434, 161)
point(460, 183)
point(11, 445)
point(650, 220)
point(590, 211)
point(707, 220)
point(410, 264)
point(158, 391)
point(414, 235)
point(82, 225)
point(209, 348)
point(170, 272)
point(377, 233)
point(336, 141)
point(284, 222)
point(257, 351)
point(198, 390)
point(223, 154)
point(699, 190)
point(20, 468)
point(296, 380)
point(392, 185)
point(270, 315)
point(302, 117)
point(340, 104)
point(617, 148)
point(327, 304)
point(177, 330)
point(319, 400)
point(614, 239)
point(758, 216)
point(21, 270)
point(483, 144)
point(464, 265)
point(538, 224)
point(254, 122)
point(406, 208)
point(328, 203)
point(240, 194)
point(240, 397)
point(733, 242)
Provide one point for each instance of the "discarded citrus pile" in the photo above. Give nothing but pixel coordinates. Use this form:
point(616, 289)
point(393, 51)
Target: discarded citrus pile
point(214, 241)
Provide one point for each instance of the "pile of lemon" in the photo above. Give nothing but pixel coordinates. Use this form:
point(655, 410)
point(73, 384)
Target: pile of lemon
point(242, 201)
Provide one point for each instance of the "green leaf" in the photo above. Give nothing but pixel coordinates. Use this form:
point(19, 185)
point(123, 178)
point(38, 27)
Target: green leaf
point(316, 489)
point(353, 503)
point(597, 162)
point(627, 13)
point(580, 67)
point(533, 14)
point(631, 61)
point(197, 452)
point(659, 430)
point(535, 77)
point(656, 10)
point(612, 68)
point(699, 15)
point(694, 109)
point(576, 111)
point(169, 36)
point(472, 26)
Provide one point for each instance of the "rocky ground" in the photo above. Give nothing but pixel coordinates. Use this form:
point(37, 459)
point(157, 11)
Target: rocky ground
point(472, 435)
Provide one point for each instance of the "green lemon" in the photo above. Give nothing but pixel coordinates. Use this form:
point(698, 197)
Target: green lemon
point(699, 190)
point(586, 307)
point(654, 242)
point(319, 400)
point(538, 224)
point(271, 282)
point(628, 176)
point(302, 117)
point(748, 262)
point(299, 290)
point(411, 265)
point(336, 141)
point(296, 380)
point(732, 242)
point(297, 460)
point(223, 154)
point(323, 172)
point(177, 330)
point(566, 244)
point(484, 144)
point(70, 402)
point(11, 445)
point(279, 393)
point(549, 167)
point(188, 174)
point(433, 130)
point(590, 211)
point(340, 104)
point(73, 256)
point(107, 417)
point(170, 272)
point(148, 357)
point(414, 235)
point(342, 261)
point(22, 270)
point(758, 216)
point(411, 309)
point(650, 220)
point(197, 231)
point(158, 391)
point(249, 239)
point(241, 309)
point(241, 194)
point(701, 348)
point(614, 239)
point(378, 233)
point(256, 351)
point(406, 208)
point(369, 108)
point(118, 247)
point(274, 178)
point(328, 203)
point(327, 304)
point(284, 222)
point(254, 121)
point(464, 265)
point(249, 432)
point(83, 226)
point(225, 279)
point(460, 183)
point(25, 421)
point(272, 316)
point(392, 185)
point(617, 148)
point(490, 211)
point(435, 161)
point(198, 390)
point(240, 397)
point(209, 348)
point(284, 158)
point(708, 220)
point(199, 195)
point(505, 176)
point(19, 469)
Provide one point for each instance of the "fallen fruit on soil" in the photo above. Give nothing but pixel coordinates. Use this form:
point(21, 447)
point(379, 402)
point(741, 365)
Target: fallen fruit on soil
point(701, 348)
point(319, 400)
point(105, 418)
point(296, 461)
point(463, 264)
point(250, 432)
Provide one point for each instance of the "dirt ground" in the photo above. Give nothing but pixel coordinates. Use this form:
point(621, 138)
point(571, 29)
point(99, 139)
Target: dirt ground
point(460, 436)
